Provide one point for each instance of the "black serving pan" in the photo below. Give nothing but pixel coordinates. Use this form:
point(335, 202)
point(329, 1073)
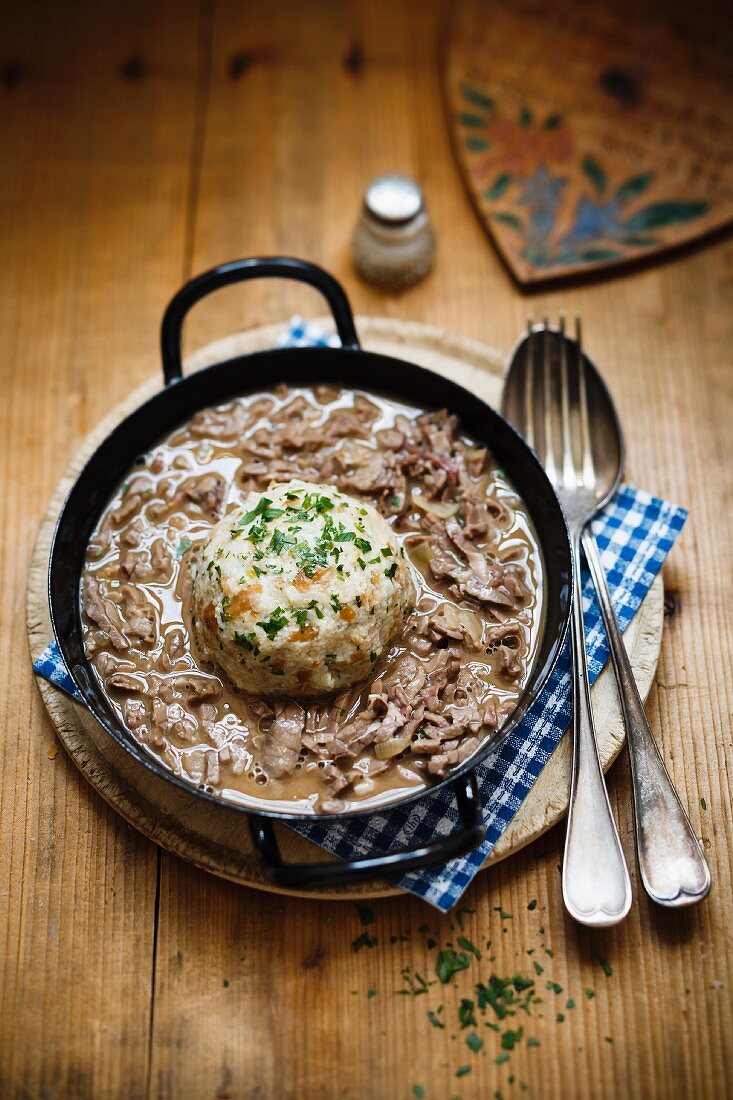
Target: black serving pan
point(177, 402)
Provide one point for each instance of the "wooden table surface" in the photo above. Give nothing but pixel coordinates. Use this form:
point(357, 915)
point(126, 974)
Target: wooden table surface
point(142, 142)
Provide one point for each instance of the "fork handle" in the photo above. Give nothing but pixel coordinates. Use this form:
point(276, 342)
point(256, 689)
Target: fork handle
point(673, 867)
point(595, 879)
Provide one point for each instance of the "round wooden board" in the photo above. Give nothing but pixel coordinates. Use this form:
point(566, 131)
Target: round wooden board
point(213, 838)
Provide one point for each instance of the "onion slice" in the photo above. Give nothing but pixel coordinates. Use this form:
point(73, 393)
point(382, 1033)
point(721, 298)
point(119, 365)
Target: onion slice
point(393, 745)
point(441, 509)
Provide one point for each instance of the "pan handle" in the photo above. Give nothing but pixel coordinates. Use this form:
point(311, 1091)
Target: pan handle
point(319, 876)
point(238, 271)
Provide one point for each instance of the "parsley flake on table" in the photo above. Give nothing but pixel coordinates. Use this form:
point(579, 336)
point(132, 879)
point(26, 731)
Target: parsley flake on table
point(510, 1038)
point(475, 1042)
point(466, 944)
point(605, 966)
point(449, 962)
point(364, 940)
point(466, 1014)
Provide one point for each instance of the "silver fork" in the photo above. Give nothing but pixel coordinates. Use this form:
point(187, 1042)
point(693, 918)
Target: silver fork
point(595, 879)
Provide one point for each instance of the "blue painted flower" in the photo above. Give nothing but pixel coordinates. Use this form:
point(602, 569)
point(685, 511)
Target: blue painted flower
point(542, 193)
point(595, 221)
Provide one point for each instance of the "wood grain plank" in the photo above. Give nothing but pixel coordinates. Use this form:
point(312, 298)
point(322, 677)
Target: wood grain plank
point(95, 149)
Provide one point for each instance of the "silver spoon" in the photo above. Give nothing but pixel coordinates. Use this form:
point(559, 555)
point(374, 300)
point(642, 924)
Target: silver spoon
point(673, 867)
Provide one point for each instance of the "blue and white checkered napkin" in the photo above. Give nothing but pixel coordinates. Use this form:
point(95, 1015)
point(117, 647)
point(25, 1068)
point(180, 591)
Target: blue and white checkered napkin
point(634, 533)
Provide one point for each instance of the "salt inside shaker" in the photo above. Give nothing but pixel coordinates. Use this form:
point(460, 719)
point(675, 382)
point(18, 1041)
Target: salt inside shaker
point(393, 242)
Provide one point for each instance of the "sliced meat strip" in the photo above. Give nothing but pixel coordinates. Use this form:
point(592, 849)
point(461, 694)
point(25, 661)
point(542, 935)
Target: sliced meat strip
point(438, 765)
point(196, 686)
point(103, 612)
point(283, 740)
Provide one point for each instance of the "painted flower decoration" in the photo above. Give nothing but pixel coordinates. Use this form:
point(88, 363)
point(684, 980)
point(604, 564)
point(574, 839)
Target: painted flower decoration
point(558, 204)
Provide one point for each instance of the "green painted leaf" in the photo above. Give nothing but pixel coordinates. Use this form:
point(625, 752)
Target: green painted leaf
point(633, 186)
point(477, 98)
point(598, 255)
point(552, 122)
point(509, 219)
point(595, 173)
point(659, 214)
point(639, 240)
point(474, 121)
point(498, 187)
point(477, 145)
point(525, 116)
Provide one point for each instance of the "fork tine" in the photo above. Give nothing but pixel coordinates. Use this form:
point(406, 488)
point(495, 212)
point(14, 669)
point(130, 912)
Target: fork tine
point(529, 386)
point(568, 463)
point(589, 475)
point(548, 460)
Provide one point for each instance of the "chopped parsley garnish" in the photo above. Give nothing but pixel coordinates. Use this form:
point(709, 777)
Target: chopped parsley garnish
point(336, 602)
point(474, 1042)
point(247, 642)
point(274, 624)
point(316, 609)
point(466, 1014)
point(261, 506)
point(390, 572)
point(362, 544)
point(279, 540)
point(533, 904)
point(434, 1018)
point(366, 915)
point(256, 533)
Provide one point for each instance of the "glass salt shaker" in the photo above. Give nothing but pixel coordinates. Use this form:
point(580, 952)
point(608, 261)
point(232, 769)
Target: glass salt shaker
point(393, 242)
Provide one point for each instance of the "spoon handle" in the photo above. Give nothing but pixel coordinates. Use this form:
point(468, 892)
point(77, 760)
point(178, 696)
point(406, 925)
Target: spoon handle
point(595, 879)
point(673, 867)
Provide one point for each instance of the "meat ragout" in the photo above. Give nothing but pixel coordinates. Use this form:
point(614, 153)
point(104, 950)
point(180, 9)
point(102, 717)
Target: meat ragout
point(441, 690)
